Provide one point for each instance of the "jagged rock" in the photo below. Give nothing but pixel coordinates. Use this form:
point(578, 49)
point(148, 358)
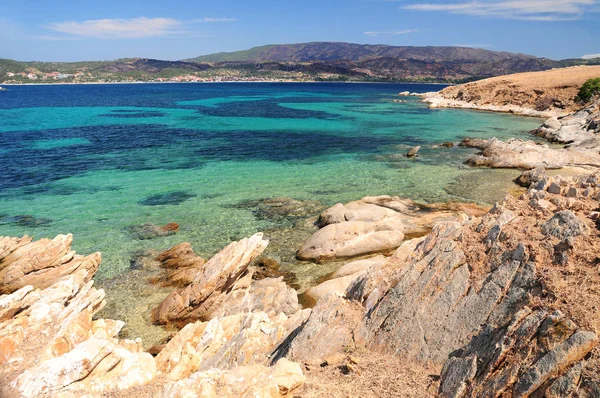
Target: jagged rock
point(564, 224)
point(215, 277)
point(41, 263)
point(223, 343)
point(516, 153)
point(243, 381)
point(151, 231)
point(181, 264)
point(433, 296)
point(326, 332)
point(532, 176)
point(509, 359)
point(412, 152)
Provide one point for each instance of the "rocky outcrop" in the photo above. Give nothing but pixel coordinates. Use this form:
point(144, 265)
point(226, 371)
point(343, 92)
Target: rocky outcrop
point(516, 153)
point(40, 263)
point(549, 93)
point(535, 351)
point(212, 280)
point(373, 225)
point(578, 129)
point(181, 264)
point(51, 345)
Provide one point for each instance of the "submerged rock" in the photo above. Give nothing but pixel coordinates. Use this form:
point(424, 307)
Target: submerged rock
point(171, 198)
point(412, 152)
point(151, 231)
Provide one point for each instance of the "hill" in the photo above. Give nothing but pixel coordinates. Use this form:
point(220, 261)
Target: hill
point(324, 61)
point(330, 51)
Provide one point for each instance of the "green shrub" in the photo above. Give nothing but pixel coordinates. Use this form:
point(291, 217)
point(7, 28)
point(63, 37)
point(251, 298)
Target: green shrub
point(588, 90)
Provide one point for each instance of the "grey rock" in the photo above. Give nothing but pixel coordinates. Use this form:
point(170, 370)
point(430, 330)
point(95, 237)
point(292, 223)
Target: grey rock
point(456, 376)
point(563, 225)
point(554, 188)
point(412, 152)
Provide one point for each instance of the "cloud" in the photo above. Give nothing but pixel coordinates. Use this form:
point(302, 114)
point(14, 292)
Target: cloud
point(532, 10)
point(590, 56)
point(218, 19)
point(133, 28)
point(392, 32)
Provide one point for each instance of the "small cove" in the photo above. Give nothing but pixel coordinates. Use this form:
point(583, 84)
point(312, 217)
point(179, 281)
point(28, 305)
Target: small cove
point(97, 160)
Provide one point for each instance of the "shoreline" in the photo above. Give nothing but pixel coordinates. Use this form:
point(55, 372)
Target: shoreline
point(228, 82)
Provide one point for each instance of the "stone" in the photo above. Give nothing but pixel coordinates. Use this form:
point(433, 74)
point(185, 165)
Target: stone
point(247, 381)
point(516, 153)
point(564, 224)
point(42, 262)
point(358, 266)
point(554, 188)
point(351, 239)
point(412, 152)
point(181, 264)
point(216, 276)
point(530, 177)
point(151, 231)
point(335, 286)
point(448, 145)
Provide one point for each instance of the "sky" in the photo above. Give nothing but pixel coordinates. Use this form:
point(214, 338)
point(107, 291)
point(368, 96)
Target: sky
point(79, 30)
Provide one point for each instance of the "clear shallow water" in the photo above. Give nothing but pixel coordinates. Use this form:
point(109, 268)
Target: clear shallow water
point(94, 160)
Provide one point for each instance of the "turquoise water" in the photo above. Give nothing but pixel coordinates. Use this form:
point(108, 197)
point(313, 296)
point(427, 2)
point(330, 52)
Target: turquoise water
point(96, 160)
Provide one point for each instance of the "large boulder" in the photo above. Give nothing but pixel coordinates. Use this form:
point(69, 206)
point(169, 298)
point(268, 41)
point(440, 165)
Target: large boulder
point(215, 277)
point(375, 224)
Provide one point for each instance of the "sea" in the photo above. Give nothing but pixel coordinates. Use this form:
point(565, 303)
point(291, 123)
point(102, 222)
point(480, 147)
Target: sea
point(100, 161)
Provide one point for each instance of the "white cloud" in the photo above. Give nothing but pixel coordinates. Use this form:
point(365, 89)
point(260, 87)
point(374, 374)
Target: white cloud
point(590, 56)
point(392, 32)
point(133, 28)
point(532, 10)
point(208, 19)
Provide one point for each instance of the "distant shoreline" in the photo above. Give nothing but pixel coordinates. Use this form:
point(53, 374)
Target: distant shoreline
point(232, 81)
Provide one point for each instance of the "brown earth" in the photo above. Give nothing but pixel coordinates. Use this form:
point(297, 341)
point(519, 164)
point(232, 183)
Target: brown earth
point(554, 89)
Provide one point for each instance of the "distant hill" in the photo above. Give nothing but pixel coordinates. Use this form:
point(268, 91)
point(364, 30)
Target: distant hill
point(321, 61)
point(331, 51)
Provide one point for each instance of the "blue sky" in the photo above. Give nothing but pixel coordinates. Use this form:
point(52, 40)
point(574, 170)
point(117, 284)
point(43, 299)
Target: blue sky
point(70, 30)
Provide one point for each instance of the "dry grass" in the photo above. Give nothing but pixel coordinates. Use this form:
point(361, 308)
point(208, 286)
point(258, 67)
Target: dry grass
point(574, 288)
point(368, 374)
point(554, 88)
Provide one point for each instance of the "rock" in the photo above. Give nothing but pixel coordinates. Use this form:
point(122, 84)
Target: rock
point(336, 286)
point(530, 177)
point(280, 209)
point(223, 343)
point(181, 264)
point(448, 145)
point(327, 332)
point(41, 263)
point(554, 188)
point(247, 381)
point(509, 362)
point(412, 152)
point(516, 153)
point(358, 266)
point(351, 239)
point(563, 225)
point(215, 277)
point(404, 93)
point(374, 225)
point(430, 311)
point(151, 231)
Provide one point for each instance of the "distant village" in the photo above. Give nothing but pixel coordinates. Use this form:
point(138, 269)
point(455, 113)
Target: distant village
point(222, 75)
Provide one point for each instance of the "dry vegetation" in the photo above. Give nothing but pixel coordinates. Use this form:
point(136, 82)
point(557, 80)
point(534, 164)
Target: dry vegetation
point(368, 374)
point(552, 89)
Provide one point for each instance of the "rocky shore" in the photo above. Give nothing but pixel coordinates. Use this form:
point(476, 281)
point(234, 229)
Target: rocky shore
point(540, 94)
point(449, 300)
